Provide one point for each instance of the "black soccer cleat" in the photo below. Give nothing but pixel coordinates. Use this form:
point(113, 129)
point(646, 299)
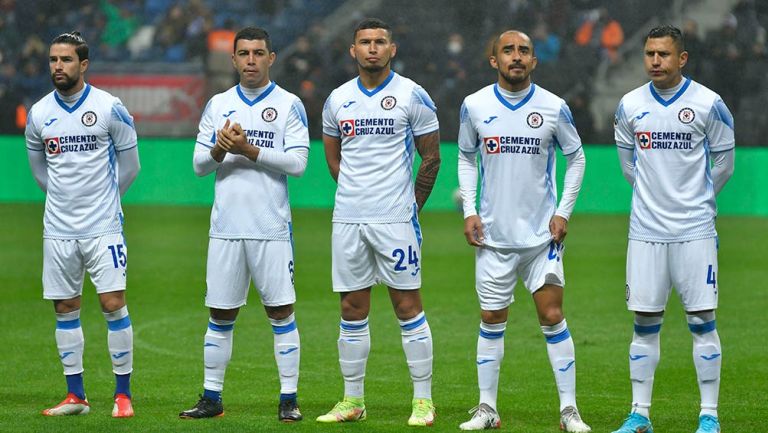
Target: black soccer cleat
point(205, 408)
point(288, 411)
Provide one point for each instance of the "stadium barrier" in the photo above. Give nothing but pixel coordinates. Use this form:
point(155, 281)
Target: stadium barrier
point(167, 178)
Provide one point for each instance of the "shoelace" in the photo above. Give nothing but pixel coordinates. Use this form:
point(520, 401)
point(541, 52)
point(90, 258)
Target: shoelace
point(708, 422)
point(421, 408)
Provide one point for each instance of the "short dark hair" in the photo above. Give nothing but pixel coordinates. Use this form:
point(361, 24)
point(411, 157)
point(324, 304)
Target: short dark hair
point(76, 39)
point(667, 31)
point(497, 40)
point(372, 23)
point(253, 34)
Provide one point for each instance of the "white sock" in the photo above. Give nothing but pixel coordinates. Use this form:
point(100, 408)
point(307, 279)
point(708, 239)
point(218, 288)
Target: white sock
point(217, 351)
point(70, 341)
point(644, 353)
point(562, 357)
point(354, 346)
point(120, 340)
point(417, 345)
point(287, 353)
point(707, 357)
point(490, 353)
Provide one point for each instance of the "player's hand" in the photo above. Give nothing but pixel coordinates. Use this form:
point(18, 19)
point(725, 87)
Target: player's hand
point(239, 143)
point(558, 227)
point(473, 231)
point(221, 140)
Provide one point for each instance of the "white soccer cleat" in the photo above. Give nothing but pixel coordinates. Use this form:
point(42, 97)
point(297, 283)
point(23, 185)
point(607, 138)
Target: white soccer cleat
point(570, 421)
point(72, 405)
point(483, 418)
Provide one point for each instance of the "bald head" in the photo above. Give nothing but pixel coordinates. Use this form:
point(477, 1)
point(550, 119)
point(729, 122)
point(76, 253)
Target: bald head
point(497, 43)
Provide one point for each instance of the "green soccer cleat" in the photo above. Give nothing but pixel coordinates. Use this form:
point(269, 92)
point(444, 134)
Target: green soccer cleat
point(349, 409)
point(423, 413)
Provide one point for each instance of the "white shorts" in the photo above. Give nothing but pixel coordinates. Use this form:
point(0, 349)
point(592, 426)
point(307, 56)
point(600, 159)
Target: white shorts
point(367, 254)
point(653, 268)
point(233, 263)
point(66, 260)
point(497, 270)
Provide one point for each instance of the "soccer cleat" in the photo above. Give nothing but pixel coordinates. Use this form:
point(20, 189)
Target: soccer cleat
point(288, 411)
point(708, 424)
point(349, 409)
point(72, 405)
point(635, 423)
point(423, 413)
point(570, 421)
point(123, 407)
point(205, 408)
point(484, 417)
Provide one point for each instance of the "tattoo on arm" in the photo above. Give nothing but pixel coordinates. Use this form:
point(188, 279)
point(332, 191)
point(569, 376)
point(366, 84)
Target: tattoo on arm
point(428, 146)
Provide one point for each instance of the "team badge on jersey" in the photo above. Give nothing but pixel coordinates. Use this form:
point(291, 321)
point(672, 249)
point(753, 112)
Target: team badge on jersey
point(535, 120)
point(492, 145)
point(643, 139)
point(347, 128)
point(89, 118)
point(686, 115)
point(269, 114)
point(388, 102)
point(52, 145)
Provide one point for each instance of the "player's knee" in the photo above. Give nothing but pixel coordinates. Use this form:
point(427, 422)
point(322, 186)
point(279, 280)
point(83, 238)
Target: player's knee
point(280, 312)
point(494, 317)
point(551, 316)
point(219, 314)
point(112, 301)
point(62, 306)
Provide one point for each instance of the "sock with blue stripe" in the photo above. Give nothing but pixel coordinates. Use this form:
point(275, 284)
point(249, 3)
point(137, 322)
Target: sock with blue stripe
point(287, 353)
point(644, 353)
point(70, 343)
point(120, 344)
point(562, 357)
point(707, 357)
point(354, 346)
point(217, 351)
point(417, 345)
point(490, 353)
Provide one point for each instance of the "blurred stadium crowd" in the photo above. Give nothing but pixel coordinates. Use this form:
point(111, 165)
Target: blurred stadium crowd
point(443, 46)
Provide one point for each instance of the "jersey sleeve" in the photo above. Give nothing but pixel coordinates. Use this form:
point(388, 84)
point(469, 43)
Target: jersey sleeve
point(422, 113)
point(565, 133)
point(206, 135)
point(121, 127)
point(622, 131)
point(330, 123)
point(296, 130)
point(719, 128)
point(32, 134)
point(468, 141)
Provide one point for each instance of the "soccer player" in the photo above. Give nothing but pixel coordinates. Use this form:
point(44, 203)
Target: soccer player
point(371, 125)
point(515, 126)
point(676, 146)
point(81, 144)
point(253, 136)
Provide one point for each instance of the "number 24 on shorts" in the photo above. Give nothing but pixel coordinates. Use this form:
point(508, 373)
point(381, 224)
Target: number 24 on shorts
point(413, 259)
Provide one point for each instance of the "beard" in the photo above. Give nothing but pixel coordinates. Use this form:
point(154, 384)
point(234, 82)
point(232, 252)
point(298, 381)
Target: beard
point(513, 80)
point(66, 85)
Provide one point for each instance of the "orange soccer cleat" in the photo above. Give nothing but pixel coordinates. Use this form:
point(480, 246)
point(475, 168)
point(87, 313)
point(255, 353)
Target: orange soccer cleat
point(123, 407)
point(72, 405)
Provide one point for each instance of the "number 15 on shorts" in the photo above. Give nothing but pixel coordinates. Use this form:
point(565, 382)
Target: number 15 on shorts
point(119, 256)
point(413, 259)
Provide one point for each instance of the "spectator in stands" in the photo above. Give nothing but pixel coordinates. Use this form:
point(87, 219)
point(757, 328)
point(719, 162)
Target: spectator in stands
point(121, 24)
point(200, 24)
point(725, 49)
point(546, 44)
point(603, 32)
point(170, 34)
point(301, 63)
point(695, 47)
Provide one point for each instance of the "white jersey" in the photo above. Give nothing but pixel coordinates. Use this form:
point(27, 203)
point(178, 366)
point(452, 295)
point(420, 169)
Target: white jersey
point(80, 144)
point(251, 202)
point(517, 142)
point(673, 199)
point(377, 129)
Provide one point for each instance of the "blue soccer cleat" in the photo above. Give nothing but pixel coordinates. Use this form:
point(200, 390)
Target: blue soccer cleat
point(635, 423)
point(708, 424)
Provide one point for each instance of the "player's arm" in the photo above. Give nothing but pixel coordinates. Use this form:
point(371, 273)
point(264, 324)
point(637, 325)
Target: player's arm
point(719, 130)
point(722, 168)
point(36, 154)
point(570, 143)
point(128, 168)
point(625, 144)
point(468, 145)
point(428, 146)
point(123, 133)
point(209, 152)
point(293, 160)
point(627, 162)
point(332, 146)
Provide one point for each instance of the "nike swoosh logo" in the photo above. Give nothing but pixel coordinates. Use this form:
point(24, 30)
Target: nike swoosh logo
point(490, 119)
point(564, 369)
point(285, 352)
point(120, 355)
point(48, 123)
point(210, 345)
point(484, 361)
point(711, 357)
point(228, 114)
point(65, 354)
point(347, 104)
point(642, 115)
point(636, 357)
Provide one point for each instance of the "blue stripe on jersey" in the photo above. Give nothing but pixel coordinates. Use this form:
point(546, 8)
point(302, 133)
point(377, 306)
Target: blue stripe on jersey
point(381, 86)
point(672, 99)
point(482, 183)
point(409, 144)
point(116, 325)
point(79, 102)
point(565, 112)
point(550, 174)
point(424, 98)
point(259, 98)
point(707, 165)
point(284, 329)
point(111, 151)
point(560, 336)
point(220, 328)
point(647, 329)
point(352, 326)
point(491, 335)
point(290, 238)
point(29, 117)
point(298, 108)
point(463, 113)
point(415, 324)
point(723, 114)
point(120, 113)
point(508, 104)
point(702, 328)
point(68, 324)
point(416, 225)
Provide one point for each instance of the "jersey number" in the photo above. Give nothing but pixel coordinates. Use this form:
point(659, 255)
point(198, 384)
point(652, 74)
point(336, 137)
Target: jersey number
point(413, 259)
point(290, 270)
point(118, 255)
point(711, 277)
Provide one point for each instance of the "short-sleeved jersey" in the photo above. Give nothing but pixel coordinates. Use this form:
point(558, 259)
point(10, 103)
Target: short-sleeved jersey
point(251, 202)
point(80, 143)
point(517, 144)
point(377, 129)
point(673, 198)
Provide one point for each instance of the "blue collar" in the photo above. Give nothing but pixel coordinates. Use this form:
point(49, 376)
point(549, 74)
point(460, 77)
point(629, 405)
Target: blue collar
point(509, 105)
point(671, 100)
point(381, 86)
point(79, 102)
point(263, 94)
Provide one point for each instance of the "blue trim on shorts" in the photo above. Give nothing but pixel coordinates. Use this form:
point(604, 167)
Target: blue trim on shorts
point(415, 324)
point(702, 328)
point(220, 328)
point(647, 329)
point(284, 329)
point(119, 324)
point(352, 327)
point(560, 336)
point(68, 324)
point(491, 335)
point(416, 226)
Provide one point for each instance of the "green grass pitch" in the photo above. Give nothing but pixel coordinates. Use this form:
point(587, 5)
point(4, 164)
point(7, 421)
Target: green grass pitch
point(167, 247)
